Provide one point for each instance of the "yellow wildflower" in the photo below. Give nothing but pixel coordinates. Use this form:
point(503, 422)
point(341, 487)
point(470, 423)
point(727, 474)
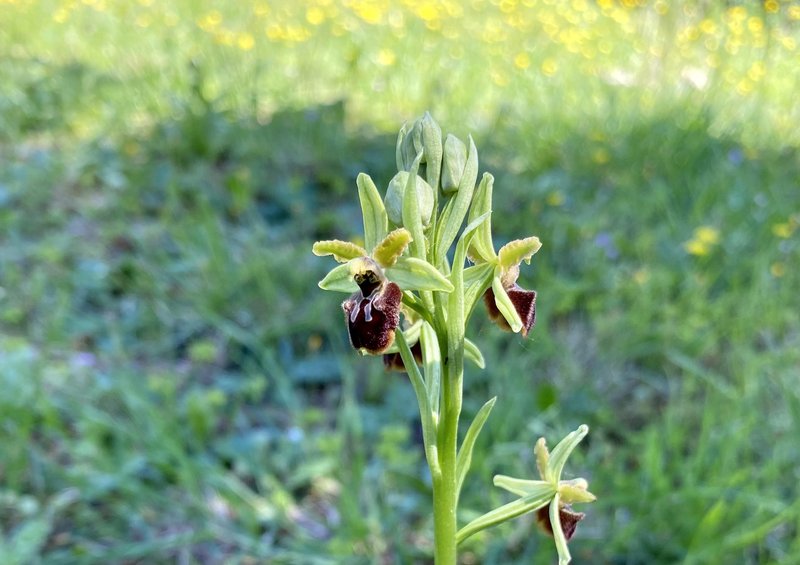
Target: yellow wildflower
point(784, 230)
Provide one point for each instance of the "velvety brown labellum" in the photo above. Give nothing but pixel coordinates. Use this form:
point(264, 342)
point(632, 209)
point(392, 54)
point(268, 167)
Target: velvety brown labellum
point(371, 321)
point(524, 302)
point(569, 520)
point(394, 361)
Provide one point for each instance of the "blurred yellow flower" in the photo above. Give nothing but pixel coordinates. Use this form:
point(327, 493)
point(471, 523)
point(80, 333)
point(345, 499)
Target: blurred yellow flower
point(315, 15)
point(555, 198)
point(601, 156)
point(784, 230)
point(694, 247)
point(703, 240)
point(549, 67)
point(386, 57)
point(707, 234)
point(61, 15)
point(771, 6)
point(777, 269)
point(245, 41)
point(522, 61)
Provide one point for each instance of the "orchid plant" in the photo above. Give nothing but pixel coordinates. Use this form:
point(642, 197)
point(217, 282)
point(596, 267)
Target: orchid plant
point(410, 304)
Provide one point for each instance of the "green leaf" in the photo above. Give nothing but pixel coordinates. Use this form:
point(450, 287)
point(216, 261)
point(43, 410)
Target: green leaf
point(560, 453)
point(391, 247)
point(520, 487)
point(432, 364)
point(456, 209)
point(505, 305)
point(373, 211)
point(529, 503)
point(411, 211)
point(426, 416)
point(415, 274)
point(455, 302)
point(398, 150)
point(517, 251)
point(342, 251)
point(482, 245)
point(339, 279)
point(477, 279)
point(464, 457)
point(474, 354)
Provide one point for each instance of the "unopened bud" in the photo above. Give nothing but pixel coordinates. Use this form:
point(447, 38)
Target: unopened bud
point(455, 159)
point(394, 198)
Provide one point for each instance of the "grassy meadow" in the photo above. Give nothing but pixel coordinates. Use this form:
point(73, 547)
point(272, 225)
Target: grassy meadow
point(174, 388)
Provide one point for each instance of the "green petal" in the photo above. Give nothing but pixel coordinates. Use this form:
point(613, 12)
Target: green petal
point(373, 211)
point(342, 251)
point(517, 251)
point(339, 279)
point(505, 305)
point(391, 247)
point(415, 274)
point(575, 491)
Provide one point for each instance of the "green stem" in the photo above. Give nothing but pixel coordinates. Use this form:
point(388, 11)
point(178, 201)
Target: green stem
point(445, 489)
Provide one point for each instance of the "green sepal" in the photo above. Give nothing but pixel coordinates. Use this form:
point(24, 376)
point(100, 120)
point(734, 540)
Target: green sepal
point(520, 487)
point(342, 251)
point(455, 157)
point(530, 503)
point(560, 453)
point(456, 209)
point(391, 247)
point(504, 304)
point(515, 252)
point(562, 548)
point(473, 353)
point(415, 274)
point(464, 457)
point(482, 248)
point(372, 210)
point(339, 279)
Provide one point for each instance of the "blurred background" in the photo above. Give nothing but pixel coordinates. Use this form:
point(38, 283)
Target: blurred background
point(175, 388)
